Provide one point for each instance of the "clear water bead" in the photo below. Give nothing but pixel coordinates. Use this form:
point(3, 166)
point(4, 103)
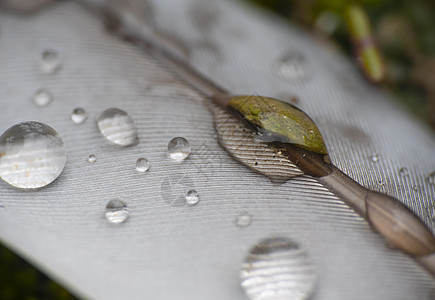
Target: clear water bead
point(42, 97)
point(79, 115)
point(192, 197)
point(50, 62)
point(116, 211)
point(277, 268)
point(118, 127)
point(243, 220)
point(142, 165)
point(293, 65)
point(179, 148)
point(92, 158)
point(32, 155)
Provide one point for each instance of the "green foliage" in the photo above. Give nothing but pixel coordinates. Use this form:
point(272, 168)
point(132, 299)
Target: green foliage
point(21, 281)
point(404, 30)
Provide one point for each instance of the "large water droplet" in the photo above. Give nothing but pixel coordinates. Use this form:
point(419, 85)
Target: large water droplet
point(431, 178)
point(179, 148)
point(50, 62)
point(142, 165)
point(192, 197)
point(403, 172)
point(79, 115)
point(277, 268)
point(243, 220)
point(92, 158)
point(116, 211)
point(118, 127)
point(42, 97)
point(32, 155)
point(293, 66)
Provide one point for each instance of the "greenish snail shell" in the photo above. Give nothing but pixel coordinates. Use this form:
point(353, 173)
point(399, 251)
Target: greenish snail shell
point(278, 121)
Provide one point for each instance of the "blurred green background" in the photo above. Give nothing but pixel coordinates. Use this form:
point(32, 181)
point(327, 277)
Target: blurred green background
point(405, 31)
point(405, 34)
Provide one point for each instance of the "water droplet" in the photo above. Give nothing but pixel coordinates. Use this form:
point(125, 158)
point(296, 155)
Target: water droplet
point(179, 148)
point(403, 172)
point(118, 127)
point(142, 165)
point(32, 155)
point(375, 157)
point(277, 268)
point(50, 62)
point(293, 66)
point(92, 158)
point(42, 97)
point(431, 178)
point(192, 197)
point(79, 115)
point(243, 220)
point(116, 211)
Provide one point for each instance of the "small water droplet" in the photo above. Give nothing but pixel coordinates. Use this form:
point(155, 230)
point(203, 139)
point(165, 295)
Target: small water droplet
point(403, 172)
point(42, 97)
point(416, 188)
point(192, 197)
point(32, 155)
point(118, 127)
point(277, 268)
point(50, 62)
point(92, 158)
point(179, 148)
point(431, 178)
point(293, 66)
point(243, 220)
point(142, 165)
point(375, 157)
point(116, 211)
point(79, 115)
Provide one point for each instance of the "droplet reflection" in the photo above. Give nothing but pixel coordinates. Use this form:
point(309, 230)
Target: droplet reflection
point(42, 97)
point(79, 115)
point(277, 268)
point(142, 165)
point(32, 155)
point(293, 65)
point(50, 62)
point(92, 158)
point(116, 211)
point(179, 148)
point(243, 220)
point(192, 197)
point(118, 127)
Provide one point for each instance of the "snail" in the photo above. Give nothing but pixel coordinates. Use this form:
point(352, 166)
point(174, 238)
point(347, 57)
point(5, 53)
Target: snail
point(289, 144)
